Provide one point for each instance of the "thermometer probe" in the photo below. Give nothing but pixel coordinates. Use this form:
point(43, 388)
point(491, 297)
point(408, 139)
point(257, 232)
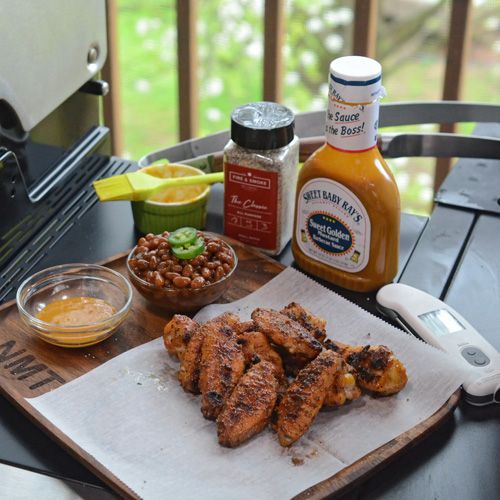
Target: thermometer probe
point(440, 325)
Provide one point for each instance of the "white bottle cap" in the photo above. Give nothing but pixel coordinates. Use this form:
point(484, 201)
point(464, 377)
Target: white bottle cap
point(355, 79)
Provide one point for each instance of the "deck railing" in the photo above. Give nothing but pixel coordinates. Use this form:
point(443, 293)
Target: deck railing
point(363, 43)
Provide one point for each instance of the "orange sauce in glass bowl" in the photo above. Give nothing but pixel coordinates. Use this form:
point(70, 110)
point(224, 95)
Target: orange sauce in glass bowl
point(76, 311)
point(74, 305)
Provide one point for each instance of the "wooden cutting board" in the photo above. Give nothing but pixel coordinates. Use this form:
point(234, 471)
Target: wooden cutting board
point(30, 367)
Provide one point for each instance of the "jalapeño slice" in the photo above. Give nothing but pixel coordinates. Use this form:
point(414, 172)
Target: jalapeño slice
point(183, 236)
point(189, 250)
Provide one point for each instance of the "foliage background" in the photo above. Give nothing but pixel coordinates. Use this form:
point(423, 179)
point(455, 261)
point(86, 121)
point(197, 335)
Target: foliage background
point(411, 46)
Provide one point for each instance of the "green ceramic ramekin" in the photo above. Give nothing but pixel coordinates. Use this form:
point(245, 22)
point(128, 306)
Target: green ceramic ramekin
point(156, 217)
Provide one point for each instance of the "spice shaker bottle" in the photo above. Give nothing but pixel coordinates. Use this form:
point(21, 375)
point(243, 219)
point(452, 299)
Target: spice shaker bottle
point(260, 176)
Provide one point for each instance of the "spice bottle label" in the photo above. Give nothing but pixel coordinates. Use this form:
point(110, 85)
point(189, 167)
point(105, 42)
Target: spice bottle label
point(251, 205)
point(333, 226)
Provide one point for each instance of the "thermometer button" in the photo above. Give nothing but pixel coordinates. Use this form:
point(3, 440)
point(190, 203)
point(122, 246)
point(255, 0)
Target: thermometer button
point(475, 356)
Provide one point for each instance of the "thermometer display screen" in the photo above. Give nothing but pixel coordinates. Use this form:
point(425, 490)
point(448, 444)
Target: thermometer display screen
point(441, 322)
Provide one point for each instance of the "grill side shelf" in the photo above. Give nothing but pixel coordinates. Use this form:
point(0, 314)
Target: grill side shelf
point(24, 247)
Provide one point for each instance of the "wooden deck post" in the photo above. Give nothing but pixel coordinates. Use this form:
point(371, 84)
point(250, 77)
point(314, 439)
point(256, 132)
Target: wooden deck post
point(456, 60)
point(365, 28)
point(187, 55)
point(274, 35)
point(111, 104)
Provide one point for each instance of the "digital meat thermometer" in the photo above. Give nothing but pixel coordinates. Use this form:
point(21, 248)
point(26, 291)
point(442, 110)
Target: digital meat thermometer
point(441, 326)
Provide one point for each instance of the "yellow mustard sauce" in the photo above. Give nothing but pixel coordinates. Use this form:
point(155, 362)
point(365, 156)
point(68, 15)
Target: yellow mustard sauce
point(178, 194)
point(76, 311)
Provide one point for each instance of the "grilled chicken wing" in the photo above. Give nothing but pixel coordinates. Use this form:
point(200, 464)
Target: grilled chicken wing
point(344, 387)
point(286, 332)
point(222, 365)
point(177, 334)
point(189, 371)
point(256, 347)
point(305, 396)
point(292, 363)
point(377, 368)
point(249, 408)
point(312, 323)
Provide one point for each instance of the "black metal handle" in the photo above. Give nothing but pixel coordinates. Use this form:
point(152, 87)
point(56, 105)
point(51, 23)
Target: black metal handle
point(95, 87)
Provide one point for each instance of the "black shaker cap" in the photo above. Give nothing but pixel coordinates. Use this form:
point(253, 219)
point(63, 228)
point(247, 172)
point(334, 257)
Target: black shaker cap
point(262, 125)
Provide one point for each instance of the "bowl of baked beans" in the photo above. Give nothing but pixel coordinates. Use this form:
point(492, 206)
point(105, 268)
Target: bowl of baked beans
point(183, 270)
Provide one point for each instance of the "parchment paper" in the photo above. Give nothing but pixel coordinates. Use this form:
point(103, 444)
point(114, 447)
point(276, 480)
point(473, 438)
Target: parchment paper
point(132, 415)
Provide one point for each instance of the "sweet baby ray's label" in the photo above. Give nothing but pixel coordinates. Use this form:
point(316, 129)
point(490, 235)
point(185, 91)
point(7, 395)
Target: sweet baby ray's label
point(333, 226)
point(352, 127)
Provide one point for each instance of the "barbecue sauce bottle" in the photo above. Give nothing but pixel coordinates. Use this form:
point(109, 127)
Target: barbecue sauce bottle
point(347, 210)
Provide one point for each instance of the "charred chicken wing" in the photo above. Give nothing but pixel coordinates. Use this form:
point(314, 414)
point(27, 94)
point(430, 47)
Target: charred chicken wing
point(286, 332)
point(177, 334)
point(312, 323)
point(377, 368)
point(344, 387)
point(189, 371)
point(256, 347)
point(222, 365)
point(305, 396)
point(249, 408)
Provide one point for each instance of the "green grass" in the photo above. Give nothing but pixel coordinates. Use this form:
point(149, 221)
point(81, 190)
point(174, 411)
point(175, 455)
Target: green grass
point(148, 81)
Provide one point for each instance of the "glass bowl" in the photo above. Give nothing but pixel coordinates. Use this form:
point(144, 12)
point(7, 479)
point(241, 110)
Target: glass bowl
point(82, 283)
point(181, 300)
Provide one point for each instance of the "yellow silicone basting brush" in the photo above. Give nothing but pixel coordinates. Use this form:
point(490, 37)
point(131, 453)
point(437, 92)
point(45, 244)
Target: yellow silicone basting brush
point(138, 186)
